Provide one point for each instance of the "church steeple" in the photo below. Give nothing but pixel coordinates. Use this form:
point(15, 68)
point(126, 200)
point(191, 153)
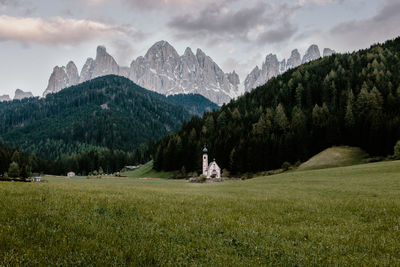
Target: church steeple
point(205, 160)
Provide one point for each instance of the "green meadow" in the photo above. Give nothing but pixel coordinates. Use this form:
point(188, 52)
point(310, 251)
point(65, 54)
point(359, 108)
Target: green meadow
point(342, 216)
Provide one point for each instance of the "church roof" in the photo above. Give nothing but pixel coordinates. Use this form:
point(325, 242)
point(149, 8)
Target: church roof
point(213, 162)
point(205, 150)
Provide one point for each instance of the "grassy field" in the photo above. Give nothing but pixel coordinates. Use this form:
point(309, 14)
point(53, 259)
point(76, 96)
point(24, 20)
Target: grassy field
point(341, 216)
point(335, 157)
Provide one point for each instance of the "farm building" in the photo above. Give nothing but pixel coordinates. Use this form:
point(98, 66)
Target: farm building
point(71, 174)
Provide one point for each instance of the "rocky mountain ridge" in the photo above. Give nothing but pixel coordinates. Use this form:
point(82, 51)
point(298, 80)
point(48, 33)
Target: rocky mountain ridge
point(272, 67)
point(5, 98)
point(19, 95)
point(162, 70)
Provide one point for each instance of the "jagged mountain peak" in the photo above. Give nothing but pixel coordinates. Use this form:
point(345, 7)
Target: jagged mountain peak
point(161, 50)
point(5, 98)
point(101, 50)
point(328, 52)
point(311, 54)
point(233, 78)
point(72, 73)
point(270, 58)
point(20, 94)
point(200, 53)
point(188, 52)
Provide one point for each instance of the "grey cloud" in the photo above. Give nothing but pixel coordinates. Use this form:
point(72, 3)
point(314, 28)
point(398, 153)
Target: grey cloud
point(223, 21)
point(214, 19)
point(9, 3)
point(124, 51)
point(277, 35)
point(157, 4)
point(59, 31)
point(357, 33)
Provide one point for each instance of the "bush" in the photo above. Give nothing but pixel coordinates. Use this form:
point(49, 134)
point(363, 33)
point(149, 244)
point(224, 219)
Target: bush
point(193, 174)
point(225, 173)
point(13, 170)
point(397, 150)
point(203, 178)
point(286, 165)
point(183, 172)
point(247, 175)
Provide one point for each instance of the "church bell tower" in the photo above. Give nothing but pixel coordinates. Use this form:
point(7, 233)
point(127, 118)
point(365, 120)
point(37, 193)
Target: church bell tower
point(205, 161)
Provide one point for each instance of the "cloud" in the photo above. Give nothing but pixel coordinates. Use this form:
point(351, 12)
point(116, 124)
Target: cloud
point(157, 4)
point(9, 3)
point(59, 31)
point(360, 33)
point(123, 51)
point(220, 20)
point(261, 22)
point(280, 34)
point(320, 2)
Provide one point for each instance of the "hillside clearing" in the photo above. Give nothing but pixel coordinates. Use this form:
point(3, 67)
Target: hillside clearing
point(147, 171)
point(338, 156)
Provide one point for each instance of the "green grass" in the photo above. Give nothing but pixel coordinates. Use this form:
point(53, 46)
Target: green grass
point(347, 216)
point(146, 171)
point(339, 156)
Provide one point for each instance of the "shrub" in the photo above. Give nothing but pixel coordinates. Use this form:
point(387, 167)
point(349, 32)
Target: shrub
point(202, 178)
point(397, 150)
point(192, 174)
point(247, 175)
point(183, 172)
point(286, 165)
point(13, 170)
point(225, 173)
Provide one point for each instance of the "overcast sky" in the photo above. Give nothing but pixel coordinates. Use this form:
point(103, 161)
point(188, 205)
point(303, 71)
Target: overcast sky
point(36, 35)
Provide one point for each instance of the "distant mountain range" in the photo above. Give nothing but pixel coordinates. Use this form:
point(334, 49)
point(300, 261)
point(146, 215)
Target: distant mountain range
point(109, 111)
point(164, 71)
point(161, 70)
point(272, 67)
point(19, 95)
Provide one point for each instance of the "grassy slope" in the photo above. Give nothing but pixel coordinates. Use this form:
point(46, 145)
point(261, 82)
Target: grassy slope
point(335, 157)
point(341, 216)
point(147, 171)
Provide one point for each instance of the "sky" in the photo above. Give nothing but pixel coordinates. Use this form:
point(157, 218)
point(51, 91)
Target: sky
point(36, 35)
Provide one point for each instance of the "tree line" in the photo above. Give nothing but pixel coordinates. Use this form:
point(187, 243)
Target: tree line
point(18, 164)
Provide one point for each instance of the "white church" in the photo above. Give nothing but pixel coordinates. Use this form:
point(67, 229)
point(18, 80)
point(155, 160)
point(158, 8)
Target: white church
point(211, 170)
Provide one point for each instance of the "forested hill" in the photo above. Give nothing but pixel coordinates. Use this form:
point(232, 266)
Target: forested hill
point(194, 103)
point(109, 111)
point(345, 99)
